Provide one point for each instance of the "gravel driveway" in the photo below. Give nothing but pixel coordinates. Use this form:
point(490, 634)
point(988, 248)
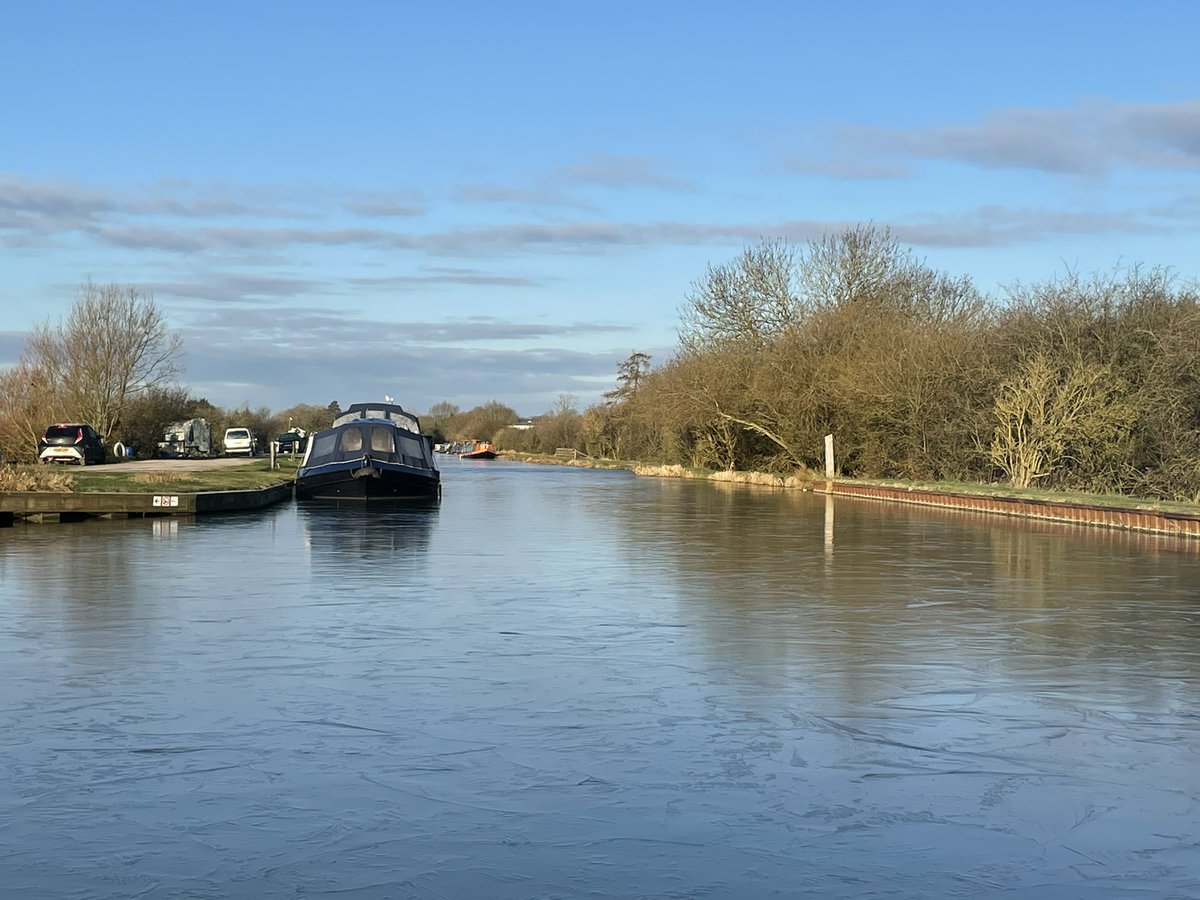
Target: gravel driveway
point(184, 465)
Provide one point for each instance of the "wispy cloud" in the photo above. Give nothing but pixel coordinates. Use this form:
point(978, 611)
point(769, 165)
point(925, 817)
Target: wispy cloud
point(182, 216)
point(330, 331)
point(541, 198)
point(197, 240)
point(984, 226)
point(447, 276)
point(236, 288)
point(1091, 139)
point(325, 355)
point(414, 375)
point(560, 188)
point(845, 169)
point(385, 204)
point(275, 224)
point(611, 170)
point(34, 212)
point(996, 226)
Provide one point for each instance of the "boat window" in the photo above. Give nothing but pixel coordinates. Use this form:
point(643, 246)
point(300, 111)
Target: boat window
point(413, 449)
point(381, 439)
point(324, 445)
point(352, 439)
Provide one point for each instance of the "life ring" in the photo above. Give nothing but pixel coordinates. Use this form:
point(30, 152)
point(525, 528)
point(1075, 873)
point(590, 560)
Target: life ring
point(119, 450)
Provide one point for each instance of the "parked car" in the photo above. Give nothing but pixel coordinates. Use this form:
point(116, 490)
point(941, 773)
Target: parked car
point(71, 442)
point(240, 442)
point(292, 441)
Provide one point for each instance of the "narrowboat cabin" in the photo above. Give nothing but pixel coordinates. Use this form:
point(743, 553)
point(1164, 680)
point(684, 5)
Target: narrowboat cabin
point(372, 452)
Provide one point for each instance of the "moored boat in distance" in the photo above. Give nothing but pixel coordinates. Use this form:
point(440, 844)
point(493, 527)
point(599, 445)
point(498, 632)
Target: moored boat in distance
point(477, 450)
point(372, 452)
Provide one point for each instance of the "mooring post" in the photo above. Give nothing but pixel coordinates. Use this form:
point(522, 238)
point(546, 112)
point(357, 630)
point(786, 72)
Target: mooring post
point(829, 457)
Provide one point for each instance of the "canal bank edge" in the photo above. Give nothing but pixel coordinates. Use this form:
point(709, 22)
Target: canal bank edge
point(1046, 509)
point(1143, 520)
point(1128, 518)
point(48, 506)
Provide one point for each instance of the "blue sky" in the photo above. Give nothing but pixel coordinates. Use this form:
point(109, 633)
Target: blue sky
point(482, 201)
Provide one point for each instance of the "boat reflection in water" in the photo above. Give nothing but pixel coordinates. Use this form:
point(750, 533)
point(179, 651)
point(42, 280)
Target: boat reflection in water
point(373, 451)
point(340, 537)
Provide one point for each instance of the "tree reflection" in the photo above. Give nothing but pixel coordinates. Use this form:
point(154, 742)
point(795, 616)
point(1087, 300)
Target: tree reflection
point(792, 589)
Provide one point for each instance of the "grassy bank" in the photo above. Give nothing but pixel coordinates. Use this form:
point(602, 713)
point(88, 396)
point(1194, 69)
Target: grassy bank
point(118, 478)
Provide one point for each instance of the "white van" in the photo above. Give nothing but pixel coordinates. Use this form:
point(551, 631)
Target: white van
point(240, 442)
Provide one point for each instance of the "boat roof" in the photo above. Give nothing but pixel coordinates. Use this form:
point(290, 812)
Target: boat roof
point(391, 412)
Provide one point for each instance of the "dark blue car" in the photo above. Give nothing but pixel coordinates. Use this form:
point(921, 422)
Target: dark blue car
point(292, 442)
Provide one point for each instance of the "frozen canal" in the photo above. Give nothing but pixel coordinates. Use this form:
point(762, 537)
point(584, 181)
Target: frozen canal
point(568, 683)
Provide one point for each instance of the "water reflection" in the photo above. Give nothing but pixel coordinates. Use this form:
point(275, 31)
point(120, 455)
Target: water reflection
point(565, 683)
point(64, 576)
point(859, 596)
point(341, 537)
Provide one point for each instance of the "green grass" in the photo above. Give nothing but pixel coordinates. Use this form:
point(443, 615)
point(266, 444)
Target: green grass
point(116, 479)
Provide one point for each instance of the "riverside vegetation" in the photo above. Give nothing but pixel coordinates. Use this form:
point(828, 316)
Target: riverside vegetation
point(1079, 384)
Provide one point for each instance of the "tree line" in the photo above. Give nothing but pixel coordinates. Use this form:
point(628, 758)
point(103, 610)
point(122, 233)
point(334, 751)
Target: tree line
point(1076, 383)
point(114, 363)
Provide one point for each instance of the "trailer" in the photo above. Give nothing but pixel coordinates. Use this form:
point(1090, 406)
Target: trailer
point(187, 440)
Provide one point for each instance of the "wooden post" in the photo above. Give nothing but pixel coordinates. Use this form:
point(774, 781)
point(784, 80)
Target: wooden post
point(829, 470)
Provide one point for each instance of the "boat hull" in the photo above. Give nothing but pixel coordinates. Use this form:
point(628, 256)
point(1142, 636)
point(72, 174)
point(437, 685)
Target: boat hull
point(478, 454)
point(369, 481)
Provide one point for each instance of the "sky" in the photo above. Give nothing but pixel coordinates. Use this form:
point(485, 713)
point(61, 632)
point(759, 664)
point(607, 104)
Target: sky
point(483, 201)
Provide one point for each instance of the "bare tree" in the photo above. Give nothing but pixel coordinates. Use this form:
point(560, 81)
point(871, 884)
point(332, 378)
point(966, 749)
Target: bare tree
point(857, 264)
point(848, 334)
point(308, 416)
point(484, 422)
point(143, 420)
point(443, 409)
point(27, 406)
point(561, 426)
point(753, 298)
point(1052, 415)
point(113, 347)
point(439, 421)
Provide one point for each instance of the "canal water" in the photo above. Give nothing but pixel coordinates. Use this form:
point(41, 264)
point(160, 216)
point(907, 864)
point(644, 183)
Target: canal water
point(569, 683)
